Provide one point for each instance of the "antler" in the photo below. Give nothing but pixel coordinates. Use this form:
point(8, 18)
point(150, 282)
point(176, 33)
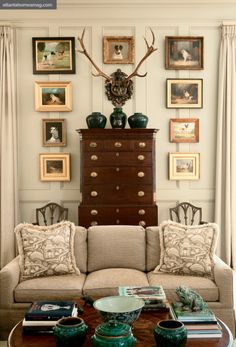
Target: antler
point(150, 50)
point(84, 51)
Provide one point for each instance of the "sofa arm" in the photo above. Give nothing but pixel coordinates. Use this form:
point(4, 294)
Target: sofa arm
point(224, 280)
point(9, 278)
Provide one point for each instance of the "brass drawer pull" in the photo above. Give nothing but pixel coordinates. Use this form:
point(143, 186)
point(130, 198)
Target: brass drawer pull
point(94, 193)
point(117, 210)
point(94, 157)
point(141, 193)
point(93, 144)
point(118, 144)
point(142, 223)
point(94, 222)
point(117, 221)
point(117, 154)
point(117, 169)
point(142, 144)
point(141, 174)
point(93, 174)
point(117, 187)
point(93, 212)
point(141, 212)
point(141, 157)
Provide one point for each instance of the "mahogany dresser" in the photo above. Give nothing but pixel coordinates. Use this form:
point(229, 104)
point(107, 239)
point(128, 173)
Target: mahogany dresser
point(117, 177)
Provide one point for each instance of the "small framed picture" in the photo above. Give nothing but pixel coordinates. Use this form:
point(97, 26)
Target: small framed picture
point(184, 166)
point(53, 96)
point(184, 93)
point(53, 55)
point(54, 166)
point(184, 130)
point(184, 52)
point(54, 132)
point(118, 49)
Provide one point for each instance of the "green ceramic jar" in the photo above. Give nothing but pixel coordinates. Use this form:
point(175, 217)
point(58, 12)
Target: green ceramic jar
point(138, 120)
point(170, 333)
point(70, 331)
point(96, 120)
point(113, 335)
point(118, 118)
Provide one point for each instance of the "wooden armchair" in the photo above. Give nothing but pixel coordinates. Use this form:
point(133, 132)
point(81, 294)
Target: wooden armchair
point(186, 213)
point(51, 213)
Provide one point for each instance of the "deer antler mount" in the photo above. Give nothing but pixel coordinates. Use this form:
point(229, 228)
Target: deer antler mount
point(119, 85)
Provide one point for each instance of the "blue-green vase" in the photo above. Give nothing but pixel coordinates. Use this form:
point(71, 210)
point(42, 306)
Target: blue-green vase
point(138, 120)
point(170, 333)
point(70, 332)
point(118, 118)
point(113, 335)
point(96, 120)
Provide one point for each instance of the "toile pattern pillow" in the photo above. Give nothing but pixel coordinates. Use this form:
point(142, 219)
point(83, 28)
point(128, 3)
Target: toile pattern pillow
point(187, 250)
point(46, 250)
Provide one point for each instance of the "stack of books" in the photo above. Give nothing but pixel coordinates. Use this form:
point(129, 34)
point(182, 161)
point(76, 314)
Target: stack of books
point(153, 296)
point(199, 324)
point(42, 316)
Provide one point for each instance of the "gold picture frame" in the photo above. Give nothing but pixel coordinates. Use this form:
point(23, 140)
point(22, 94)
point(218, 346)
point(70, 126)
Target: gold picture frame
point(53, 96)
point(184, 52)
point(184, 130)
point(118, 49)
point(54, 166)
point(184, 166)
point(54, 132)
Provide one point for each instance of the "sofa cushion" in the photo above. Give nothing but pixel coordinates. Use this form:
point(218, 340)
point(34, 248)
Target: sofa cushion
point(187, 250)
point(80, 248)
point(205, 286)
point(106, 282)
point(153, 248)
point(66, 287)
point(46, 250)
point(116, 246)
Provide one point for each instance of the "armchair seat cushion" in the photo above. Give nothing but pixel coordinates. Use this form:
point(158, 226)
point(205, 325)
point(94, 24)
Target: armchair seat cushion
point(65, 287)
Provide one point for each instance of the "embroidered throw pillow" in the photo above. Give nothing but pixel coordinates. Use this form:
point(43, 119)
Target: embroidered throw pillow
point(46, 250)
point(187, 250)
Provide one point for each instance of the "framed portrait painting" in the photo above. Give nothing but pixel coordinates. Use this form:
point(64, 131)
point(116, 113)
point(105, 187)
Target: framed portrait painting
point(184, 93)
point(184, 166)
point(54, 132)
point(184, 52)
point(53, 96)
point(118, 49)
point(53, 55)
point(184, 130)
point(54, 166)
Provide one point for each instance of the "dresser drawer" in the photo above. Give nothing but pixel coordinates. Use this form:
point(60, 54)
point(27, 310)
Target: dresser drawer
point(117, 158)
point(117, 174)
point(119, 145)
point(110, 215)
point(118, 194)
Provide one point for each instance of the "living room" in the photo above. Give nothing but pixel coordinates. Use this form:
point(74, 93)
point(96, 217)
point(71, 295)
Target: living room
point(24, 145)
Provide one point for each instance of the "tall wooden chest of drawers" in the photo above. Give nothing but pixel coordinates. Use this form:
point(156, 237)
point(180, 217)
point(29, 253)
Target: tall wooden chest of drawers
point(117, 177)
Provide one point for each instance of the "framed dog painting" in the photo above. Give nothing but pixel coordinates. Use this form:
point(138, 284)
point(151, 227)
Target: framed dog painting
point(118, 49)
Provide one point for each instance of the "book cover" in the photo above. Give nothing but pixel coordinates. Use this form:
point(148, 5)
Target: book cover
point(146, 293)
point(187, 315)
point(49, 310)
point(45, 323)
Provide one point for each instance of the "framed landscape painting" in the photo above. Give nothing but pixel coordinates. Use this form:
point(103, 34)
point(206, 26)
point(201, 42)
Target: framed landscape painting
point(54, 166)
point(184, 52)
point(184, 93)
point(53, 96)
point(118, 49)
point(184, 166)
point(54, 132)
point(184, 130)
point(53, 55)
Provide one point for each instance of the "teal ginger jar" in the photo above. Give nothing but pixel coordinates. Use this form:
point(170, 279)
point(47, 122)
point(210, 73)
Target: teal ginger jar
point(118, 118)
point(113, 335)
point(96, 120)
point(170, 333)
point(138, 120)
point(70, 332)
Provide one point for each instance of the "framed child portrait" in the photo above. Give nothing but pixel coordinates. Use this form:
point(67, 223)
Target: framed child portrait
point(54, 166)
point(54, 132)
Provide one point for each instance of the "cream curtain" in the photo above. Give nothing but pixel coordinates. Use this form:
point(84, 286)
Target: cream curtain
point(225, 200)
point(8, 146)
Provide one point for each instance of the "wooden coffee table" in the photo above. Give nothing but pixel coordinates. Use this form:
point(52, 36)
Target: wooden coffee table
point(142, 330)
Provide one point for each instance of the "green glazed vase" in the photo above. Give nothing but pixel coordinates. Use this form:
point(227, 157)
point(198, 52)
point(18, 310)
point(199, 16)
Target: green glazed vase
point(70, 331)
point(170, 333)
point(118, 118)
point(96, 120)
point(113, 335)
point(138, 120)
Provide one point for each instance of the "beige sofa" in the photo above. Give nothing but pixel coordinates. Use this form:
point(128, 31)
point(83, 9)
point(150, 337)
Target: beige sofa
point(109, 257)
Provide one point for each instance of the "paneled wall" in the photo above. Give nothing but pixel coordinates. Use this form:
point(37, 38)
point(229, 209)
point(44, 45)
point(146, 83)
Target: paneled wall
point(109, 17)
